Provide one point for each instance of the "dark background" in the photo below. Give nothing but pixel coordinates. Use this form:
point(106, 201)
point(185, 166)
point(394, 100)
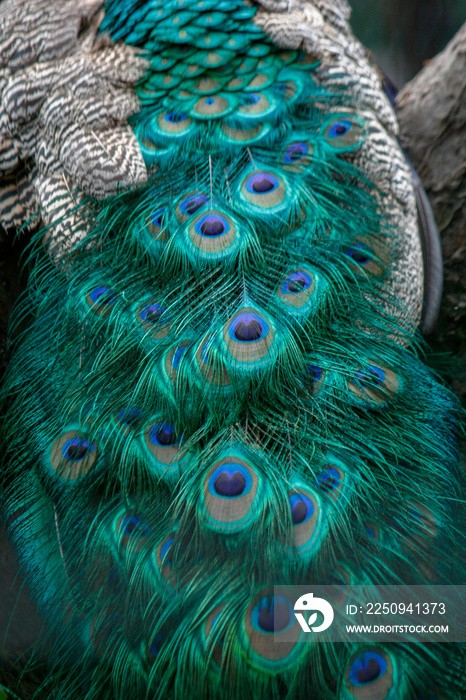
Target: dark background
point(403, 34)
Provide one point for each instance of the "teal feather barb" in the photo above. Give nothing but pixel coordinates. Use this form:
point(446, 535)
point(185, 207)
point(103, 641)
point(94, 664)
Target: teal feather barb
point(220, 388)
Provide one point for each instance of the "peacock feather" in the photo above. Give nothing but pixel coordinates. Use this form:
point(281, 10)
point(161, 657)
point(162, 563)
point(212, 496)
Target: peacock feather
point(217, 383)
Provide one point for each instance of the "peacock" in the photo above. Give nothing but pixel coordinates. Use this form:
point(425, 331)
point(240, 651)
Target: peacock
point(216, 383)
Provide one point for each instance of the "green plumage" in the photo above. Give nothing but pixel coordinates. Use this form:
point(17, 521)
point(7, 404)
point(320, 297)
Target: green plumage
point(233, 338)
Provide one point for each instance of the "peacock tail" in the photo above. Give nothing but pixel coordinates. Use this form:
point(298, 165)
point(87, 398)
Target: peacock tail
point(216, 383)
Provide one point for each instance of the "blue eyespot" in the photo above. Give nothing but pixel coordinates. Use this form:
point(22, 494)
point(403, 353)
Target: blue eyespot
point(77, 449)
point(340, 128)
point(272, 614)
point(163, 435)
point(248, 327)
point(230, 480)
point(175, 360)
point(262, 183)
point(129, 416)
point(102, 295)
point(314, 373)
point(190, 205)
point(157, 217)
point(152, 313)
point(302, 508)
point(251, 99)
point(370, 377)
point(296, 282)
point(328, 480)
point(156, 645)
point(212, 225)
point(164, 552)
point(133, 524)
point(366, 668)
point(294, 152)
point(174, 117)
point(206, 353)
point(359, 254)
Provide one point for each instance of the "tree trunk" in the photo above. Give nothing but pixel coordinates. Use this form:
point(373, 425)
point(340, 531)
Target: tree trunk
point(432, 115)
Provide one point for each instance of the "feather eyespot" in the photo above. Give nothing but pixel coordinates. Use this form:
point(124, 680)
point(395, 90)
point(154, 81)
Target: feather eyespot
point(128, 419)
point(286, 90)
point(236, 135)
point(165, 552)
point(189, 205)
point(133, 525)
point(297, 155)
point(174, 117)
point(249, 336)
point(206, 85)
point(302, 508)
point(330, 481)
point(130, 416)
point(340, 128)
point(264, 189)
point(177, 354)
point(101, 300)
point(152, 313)
point(251, 99)
point(163, 435)
point(72, 455)
point(173, 359)
point(214, 106)
point(374, 384)
point(133, 532)
point(230, 480)
point(167, 456)
point(365, 258)
point(370, 672)
point(305, 516)
point(154, 647)
point(314, 378)
point(262, 183)
point(154, 320)
point(254, 105)
point(248, 328)
point(163, 442)
point(213, 234)
point(371, 377)
point(344, 134)
point(77, 449)
point(359, 254)
point(157, 224)
point(164, 561)
point(272, 614)
point(212, 225)
point(268, 619)
point(260, 80)
point(174, 123)
point(372, 530)
point(297, 288)
point(230, 493)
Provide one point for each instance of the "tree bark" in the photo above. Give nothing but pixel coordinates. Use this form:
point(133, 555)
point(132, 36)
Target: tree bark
point(432, 115)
